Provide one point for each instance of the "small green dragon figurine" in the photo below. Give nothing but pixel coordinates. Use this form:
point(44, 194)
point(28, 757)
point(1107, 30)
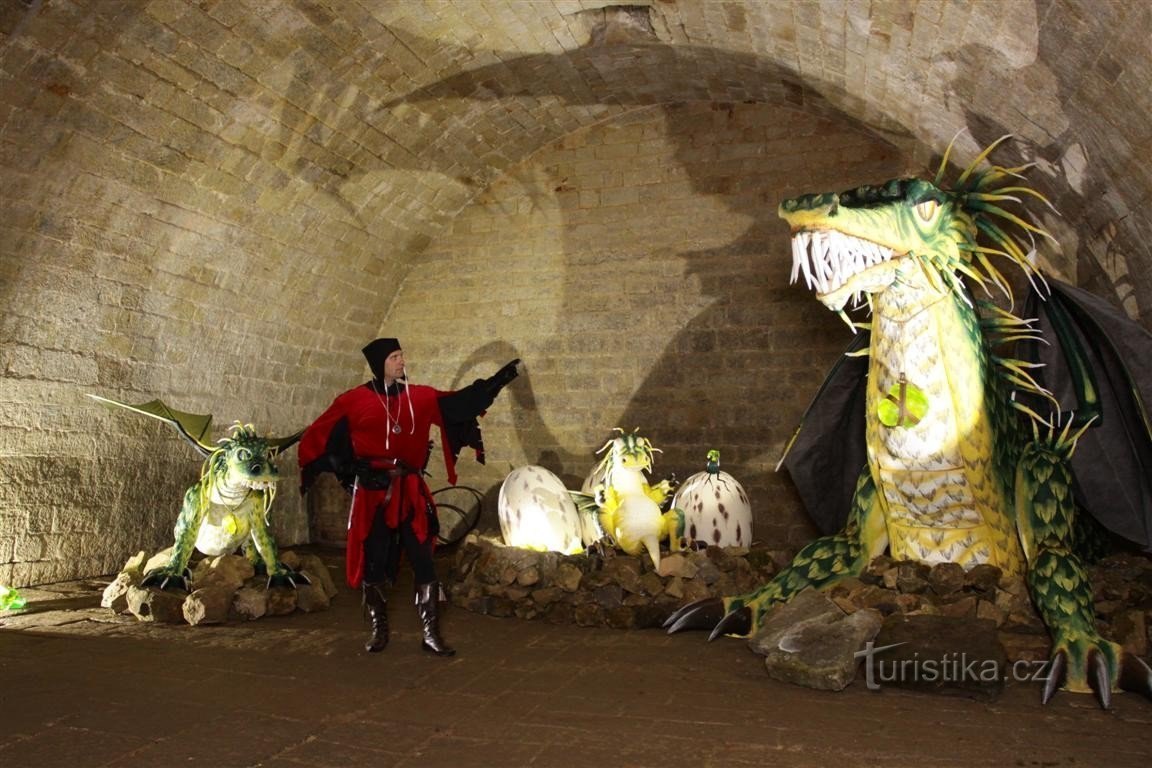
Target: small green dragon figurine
point(959, 468)
point(228, 506)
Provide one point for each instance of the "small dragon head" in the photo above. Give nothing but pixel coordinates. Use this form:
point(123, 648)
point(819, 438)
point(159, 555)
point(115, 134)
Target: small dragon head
point(628, 451)
point(860, 241)
point(244, 460)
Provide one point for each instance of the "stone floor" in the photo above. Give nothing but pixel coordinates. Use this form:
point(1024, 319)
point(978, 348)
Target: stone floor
point(83, 688)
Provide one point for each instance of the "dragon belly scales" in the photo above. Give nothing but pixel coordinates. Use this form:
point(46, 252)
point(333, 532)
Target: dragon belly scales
point(960, 465)
point(934, 479)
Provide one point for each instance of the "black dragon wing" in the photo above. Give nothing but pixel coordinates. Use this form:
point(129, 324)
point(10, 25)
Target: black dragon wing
point(1100, 363)
point(827, 451)
point(193, 427)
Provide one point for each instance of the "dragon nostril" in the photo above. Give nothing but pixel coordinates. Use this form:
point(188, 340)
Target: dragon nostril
point(255, 467)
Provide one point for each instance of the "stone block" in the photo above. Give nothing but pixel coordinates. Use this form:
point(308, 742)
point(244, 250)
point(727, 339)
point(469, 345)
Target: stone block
point(810, 641)
point(228, 572)
point(115, 595)
point(679, 565)
point(155, 605)
point(312, 598)
point(946, 578)
point(281, 601)
point(938, 654)
point(208, 605)
point(249, 602)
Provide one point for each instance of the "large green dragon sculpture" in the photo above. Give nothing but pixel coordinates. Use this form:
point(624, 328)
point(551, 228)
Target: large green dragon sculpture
point(227, 508)
point(960, 465)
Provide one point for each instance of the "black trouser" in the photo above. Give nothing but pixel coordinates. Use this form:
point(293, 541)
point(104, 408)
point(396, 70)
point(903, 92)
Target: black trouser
point(383, 545)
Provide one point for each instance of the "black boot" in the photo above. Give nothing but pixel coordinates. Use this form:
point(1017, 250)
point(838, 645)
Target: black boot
point(377, 606)
point(427, 596)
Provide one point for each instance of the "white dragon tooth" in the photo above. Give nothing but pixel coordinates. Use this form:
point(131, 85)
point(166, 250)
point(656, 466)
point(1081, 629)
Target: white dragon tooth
point(804, 239)
point(825, 270)
point(835, 258)
point(795, 261)
point(817, 250)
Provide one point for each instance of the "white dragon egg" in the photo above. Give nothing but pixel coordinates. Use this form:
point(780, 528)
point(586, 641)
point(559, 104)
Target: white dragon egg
point(536, 512)
point(716, 510)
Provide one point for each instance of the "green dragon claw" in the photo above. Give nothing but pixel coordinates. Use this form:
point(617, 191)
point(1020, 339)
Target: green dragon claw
point(700, 614)
point(1091, 664)
point(736, 622)
point(711, 613)
point(168, 579)
point(288, 578)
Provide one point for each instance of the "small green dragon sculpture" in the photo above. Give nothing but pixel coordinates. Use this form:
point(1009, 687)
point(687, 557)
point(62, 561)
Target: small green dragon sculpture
point(227, 508)
point(960, 465)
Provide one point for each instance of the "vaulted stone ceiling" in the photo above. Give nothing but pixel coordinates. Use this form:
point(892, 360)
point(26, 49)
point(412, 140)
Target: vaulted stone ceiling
point(221, 200)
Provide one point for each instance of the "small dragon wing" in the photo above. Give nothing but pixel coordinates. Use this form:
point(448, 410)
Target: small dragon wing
point(193, 427)
point(586, 503)
point(278, 444)
point(588, 507)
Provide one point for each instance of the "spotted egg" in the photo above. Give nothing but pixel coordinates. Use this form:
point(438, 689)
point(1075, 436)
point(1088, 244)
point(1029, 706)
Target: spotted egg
point(716, 510)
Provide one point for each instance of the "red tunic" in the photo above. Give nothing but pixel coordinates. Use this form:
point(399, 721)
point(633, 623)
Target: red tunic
point(364, 417)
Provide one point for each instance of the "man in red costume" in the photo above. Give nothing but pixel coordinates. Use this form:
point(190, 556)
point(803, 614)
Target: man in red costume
point(374, 438)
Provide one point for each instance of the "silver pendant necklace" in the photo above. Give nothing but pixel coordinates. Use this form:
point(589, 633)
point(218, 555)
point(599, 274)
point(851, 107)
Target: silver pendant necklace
point(391, 425)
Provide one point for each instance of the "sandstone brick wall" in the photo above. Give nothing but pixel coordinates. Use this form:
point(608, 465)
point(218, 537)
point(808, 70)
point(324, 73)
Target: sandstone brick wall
point(639, 270)
point(217, 203)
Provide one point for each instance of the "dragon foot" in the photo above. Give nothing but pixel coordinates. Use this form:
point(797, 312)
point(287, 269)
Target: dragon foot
point(288, 578)
point(168, 579)
point(737, 622)
point(700, 614)
point(600, 548)
point(1098, 666)
point(710, 613)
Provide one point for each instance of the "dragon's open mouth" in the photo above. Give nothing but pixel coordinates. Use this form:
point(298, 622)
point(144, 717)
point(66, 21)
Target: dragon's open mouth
point(260, 485)
point(828, 258)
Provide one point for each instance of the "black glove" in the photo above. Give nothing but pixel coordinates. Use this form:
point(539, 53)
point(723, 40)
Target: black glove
point(502, 378)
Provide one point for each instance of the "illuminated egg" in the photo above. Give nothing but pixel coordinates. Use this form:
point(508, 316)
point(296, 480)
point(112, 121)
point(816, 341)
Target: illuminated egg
point(536, 512)
point(716, 508)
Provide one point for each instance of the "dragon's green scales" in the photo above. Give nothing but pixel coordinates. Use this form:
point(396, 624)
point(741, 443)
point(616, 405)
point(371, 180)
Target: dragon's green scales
point(958, 469)
point(227, 508)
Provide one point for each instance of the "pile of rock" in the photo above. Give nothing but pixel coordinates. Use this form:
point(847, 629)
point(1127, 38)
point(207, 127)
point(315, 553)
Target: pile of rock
point(224, 588)
point(1122, 587)
point(940, 628)
point(941, 614)
point(605, 588)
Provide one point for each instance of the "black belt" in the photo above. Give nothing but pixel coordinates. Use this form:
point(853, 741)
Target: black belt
point(378, 478)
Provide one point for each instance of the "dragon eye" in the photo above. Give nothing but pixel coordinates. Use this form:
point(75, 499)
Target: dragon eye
point(243, 454)
point(927, 209)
